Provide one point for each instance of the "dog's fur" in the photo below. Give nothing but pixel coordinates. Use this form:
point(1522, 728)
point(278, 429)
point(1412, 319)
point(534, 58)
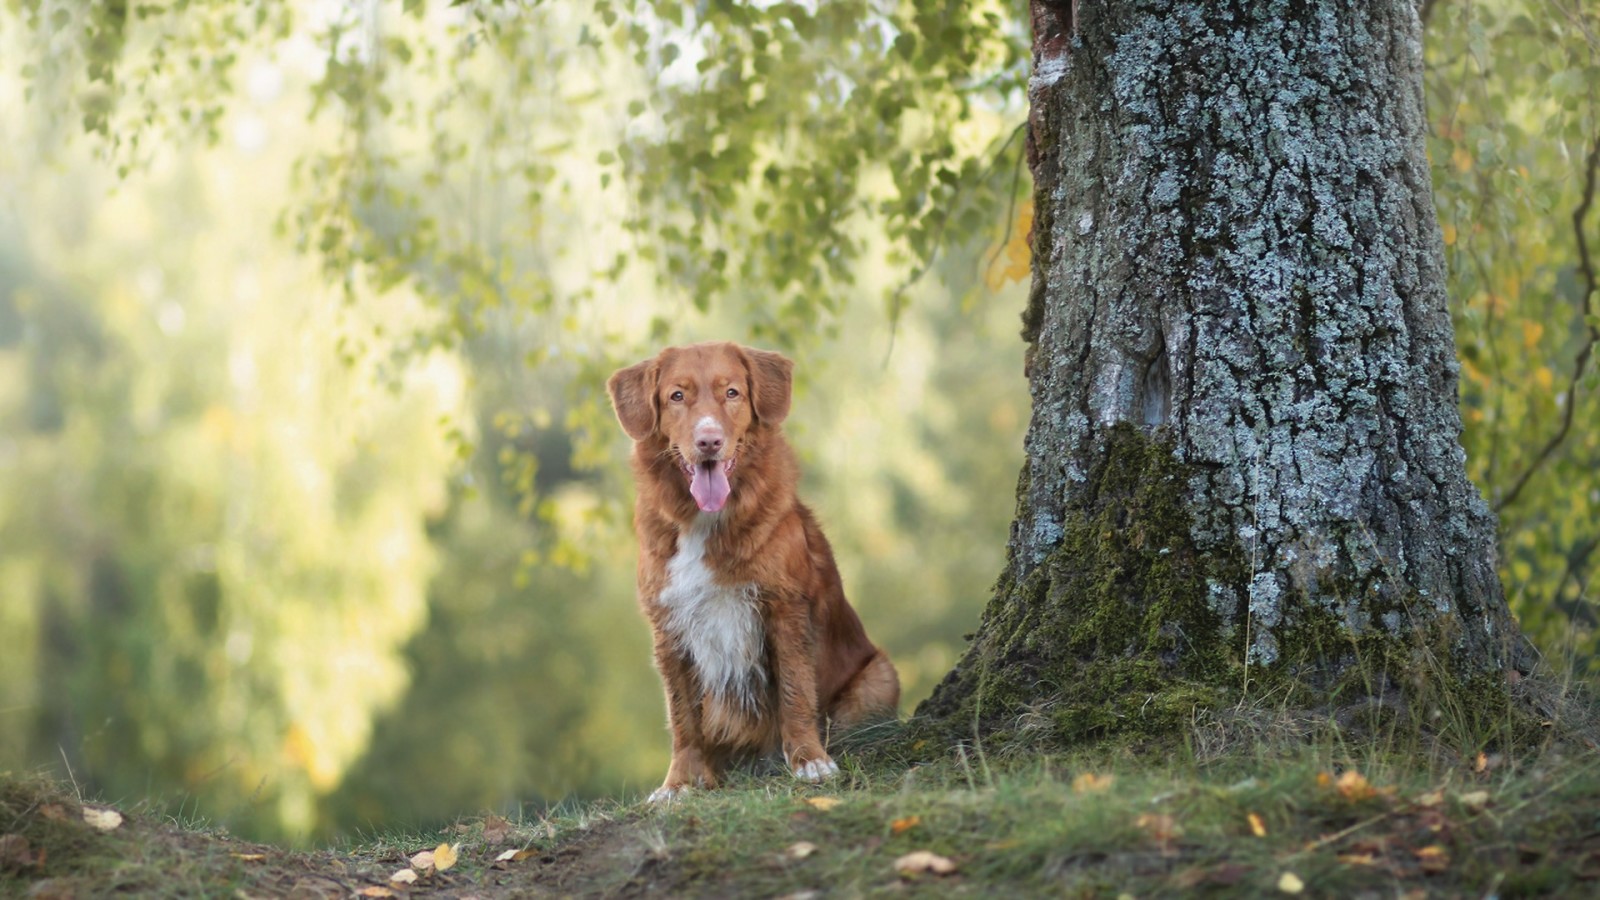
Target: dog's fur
point(754, 640)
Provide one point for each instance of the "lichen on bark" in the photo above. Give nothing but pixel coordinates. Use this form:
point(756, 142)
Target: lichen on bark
point(1235, 255)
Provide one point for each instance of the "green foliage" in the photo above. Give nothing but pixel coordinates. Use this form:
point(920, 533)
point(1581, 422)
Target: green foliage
point(209, 518)
point(1514, 101)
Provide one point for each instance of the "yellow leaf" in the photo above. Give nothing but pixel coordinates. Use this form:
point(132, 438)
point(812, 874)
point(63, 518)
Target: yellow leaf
point(248, 857)
point(1159, 826)
point(1324, 780)
point(1449, 235)
point(1090, 783)
point(1433, 858)
point(1462, 160)
point(1257, 827)
point(800, 850)
point(404, 876)
point(423, 861)
point(823, 804)
point(1481, 764)
point(1357, 859)
point(924, 861)
point(516, 855)
point(444, 856)
point(1546, 381)
point(1011, 262)
point(373, 890)
point(1431, 798)
point(1531, 332)
point(1474, 799)
point(1290, 883)
point(102, 819)
point(906, 824)
point(1353, 786)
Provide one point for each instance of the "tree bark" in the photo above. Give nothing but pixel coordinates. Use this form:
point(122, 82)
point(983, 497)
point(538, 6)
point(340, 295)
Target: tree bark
point(1244, 462)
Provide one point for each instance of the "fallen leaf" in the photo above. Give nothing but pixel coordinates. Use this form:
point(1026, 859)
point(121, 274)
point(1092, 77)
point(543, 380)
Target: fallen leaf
point(14, 852)
point(800, 850)
point(496, 829)
point(444, 856)
point(55, 812)
point(1324, 780)
point(376, 891)
point(1161, 827)
point(823, 803)
point(1434, 859)
point(404, 876)
point(900, 826)
point(1257, 827)
point(1353, 786)
point(1290, 883)
point(1358, 859)
point(423, 861)
point(248, 857)
point(515, 855)
point(1090, 783)
point(1474, 800)
point(1431, 798)
point(102, 819)
point(920, 861)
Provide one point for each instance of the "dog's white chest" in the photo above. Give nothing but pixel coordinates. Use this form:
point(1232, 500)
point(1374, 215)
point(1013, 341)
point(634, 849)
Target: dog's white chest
point(719, 626)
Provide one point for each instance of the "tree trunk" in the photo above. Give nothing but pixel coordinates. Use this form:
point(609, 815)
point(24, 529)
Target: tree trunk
point(1244, 464)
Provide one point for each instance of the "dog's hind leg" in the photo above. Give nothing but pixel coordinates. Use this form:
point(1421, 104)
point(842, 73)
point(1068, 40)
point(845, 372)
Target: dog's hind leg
point(872, 695)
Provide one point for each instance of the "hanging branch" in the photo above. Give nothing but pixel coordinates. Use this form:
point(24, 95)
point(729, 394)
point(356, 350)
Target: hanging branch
point(1581, 364)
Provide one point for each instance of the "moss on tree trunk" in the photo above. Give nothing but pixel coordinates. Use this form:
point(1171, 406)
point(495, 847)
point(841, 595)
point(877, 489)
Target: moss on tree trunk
point(1244, 460)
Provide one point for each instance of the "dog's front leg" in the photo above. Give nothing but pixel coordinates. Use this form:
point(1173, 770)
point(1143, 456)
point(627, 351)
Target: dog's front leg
point(689, 767)
point(794, 652)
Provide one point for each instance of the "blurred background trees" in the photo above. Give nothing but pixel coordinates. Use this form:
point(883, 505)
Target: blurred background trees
point(312, 515)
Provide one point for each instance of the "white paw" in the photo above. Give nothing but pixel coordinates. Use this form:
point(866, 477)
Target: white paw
point(816, 770)
point(664, 793)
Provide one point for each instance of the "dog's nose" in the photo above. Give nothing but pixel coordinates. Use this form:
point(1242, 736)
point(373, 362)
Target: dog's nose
point(709, 444)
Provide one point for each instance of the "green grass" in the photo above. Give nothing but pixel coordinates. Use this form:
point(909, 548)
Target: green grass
point(1103, 821)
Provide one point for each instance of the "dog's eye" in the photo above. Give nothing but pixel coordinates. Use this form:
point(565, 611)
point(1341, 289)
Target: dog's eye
point(733, 392)
point(677, 397)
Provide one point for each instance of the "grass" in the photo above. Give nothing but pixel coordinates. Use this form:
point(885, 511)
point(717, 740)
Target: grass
point(1257, 817)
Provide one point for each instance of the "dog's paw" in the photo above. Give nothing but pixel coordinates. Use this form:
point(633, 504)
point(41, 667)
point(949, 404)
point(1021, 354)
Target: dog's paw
point(667, 792)
point(816, 770)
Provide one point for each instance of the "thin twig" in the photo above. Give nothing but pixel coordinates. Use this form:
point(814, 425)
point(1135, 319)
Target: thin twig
point(1581, 363)
point(1337, 836)
point(938, 241)
point(1011, 206)
point(1576, 560)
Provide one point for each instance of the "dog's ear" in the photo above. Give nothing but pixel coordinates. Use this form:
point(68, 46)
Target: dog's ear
point(633, 396)
point(771, 383)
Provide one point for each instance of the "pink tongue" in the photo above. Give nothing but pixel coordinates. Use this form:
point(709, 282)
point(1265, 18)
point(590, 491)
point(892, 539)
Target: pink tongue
point(710, 486)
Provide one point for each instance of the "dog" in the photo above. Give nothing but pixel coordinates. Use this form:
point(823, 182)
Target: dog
point(754, 640)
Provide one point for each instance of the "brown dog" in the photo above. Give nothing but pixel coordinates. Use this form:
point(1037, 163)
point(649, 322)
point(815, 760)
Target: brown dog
point(754, 639)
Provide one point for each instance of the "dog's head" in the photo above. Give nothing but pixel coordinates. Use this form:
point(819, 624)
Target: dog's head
point(703, 400)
